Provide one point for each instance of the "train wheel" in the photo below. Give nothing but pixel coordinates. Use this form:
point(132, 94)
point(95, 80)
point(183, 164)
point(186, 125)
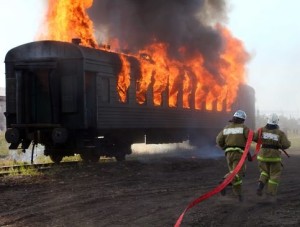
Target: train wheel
point(56, 158)
point(90, 156)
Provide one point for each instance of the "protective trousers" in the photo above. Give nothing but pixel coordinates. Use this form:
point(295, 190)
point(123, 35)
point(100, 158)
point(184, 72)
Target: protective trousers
point(270, 173)
point(233, 158)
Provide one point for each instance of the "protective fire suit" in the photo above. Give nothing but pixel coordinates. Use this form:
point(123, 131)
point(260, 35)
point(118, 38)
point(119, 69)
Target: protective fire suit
point(269, 157)
point(232, 139)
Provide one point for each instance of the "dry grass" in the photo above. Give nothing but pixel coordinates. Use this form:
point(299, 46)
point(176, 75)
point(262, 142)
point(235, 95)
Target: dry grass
point(295, 140)
point(3, 145)
point(7, 159)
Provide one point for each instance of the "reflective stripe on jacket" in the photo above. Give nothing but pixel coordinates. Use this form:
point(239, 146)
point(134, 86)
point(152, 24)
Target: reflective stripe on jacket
point(233, 136)
point(236, 149)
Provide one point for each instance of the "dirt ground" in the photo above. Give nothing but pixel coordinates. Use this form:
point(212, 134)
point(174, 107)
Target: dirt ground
point(146, 190)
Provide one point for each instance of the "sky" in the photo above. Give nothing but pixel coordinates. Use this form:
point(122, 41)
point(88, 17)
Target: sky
point(269, 30)
point(19, 22)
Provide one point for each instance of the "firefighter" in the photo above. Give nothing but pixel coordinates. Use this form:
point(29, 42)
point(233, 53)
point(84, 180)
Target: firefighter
point(232, 139)
point(272, 139)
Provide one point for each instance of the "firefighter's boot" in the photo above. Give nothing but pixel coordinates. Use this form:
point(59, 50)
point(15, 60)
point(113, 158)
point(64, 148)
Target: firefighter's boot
point(260, 187)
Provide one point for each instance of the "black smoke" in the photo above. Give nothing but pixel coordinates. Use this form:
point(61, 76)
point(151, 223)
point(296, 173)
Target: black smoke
point(188, 23)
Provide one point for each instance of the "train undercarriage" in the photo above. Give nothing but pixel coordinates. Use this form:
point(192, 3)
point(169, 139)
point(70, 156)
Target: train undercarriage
point(59, 142)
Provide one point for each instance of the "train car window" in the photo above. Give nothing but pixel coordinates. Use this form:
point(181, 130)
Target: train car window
point(33, 96)
point(41, 95)
point(90, 99)
point(141, 96)
point(123, 95)
point(103, 89)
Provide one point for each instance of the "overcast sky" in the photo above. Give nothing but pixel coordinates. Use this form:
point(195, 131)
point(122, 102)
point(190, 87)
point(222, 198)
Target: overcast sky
point(269, 30)
point(20, 20)
point(271, 33)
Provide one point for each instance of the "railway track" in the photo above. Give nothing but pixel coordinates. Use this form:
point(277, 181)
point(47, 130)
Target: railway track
point(18, 169)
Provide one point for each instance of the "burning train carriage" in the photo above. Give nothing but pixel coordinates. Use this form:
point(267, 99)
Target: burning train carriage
point(65, 96)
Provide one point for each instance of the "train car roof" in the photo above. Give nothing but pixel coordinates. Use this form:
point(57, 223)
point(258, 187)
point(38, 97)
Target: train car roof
point(56, 49)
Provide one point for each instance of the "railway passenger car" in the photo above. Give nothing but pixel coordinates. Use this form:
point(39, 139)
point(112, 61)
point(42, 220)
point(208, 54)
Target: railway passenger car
point(64, 96)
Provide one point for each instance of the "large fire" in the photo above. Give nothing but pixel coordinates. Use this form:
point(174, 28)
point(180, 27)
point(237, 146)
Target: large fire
point(67, 19)
point(187, 82)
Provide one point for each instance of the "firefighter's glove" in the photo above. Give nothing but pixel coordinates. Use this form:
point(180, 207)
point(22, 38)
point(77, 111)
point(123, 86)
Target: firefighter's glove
point(249, 157)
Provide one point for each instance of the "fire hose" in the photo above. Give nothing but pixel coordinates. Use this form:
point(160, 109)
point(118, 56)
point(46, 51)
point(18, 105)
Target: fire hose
point(258, 144)
point(221, 186)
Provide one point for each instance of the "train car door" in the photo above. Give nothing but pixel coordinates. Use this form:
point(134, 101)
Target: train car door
point(90, 100)
point(33, 96)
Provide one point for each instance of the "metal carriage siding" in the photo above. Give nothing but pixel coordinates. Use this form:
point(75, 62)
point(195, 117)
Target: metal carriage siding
point(34, 56)
point(83, 99)
point(70, 62)
point(60, 97)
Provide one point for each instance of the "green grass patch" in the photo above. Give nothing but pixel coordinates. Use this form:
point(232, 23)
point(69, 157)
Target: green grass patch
point(25, 170)
point(3, 145)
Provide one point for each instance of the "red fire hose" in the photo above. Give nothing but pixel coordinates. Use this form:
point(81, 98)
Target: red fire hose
point(258, 145)
point(221, 186)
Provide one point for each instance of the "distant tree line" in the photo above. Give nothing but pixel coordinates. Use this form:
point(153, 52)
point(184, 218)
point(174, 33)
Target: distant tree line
point(290, 125)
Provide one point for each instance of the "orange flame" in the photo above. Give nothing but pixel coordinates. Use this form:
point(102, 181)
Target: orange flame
point(67, 19)
point(186, 83)
point(189, 82)
point(123, 79)
point(153, 68)
point(232, 68)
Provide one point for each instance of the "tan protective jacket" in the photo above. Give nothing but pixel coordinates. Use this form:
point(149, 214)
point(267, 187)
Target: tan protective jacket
point(272, 140)
point(233, 136)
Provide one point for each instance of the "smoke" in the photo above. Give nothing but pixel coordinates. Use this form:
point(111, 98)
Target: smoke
point(175, 150)
point(180, 23)
point(19, 156)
